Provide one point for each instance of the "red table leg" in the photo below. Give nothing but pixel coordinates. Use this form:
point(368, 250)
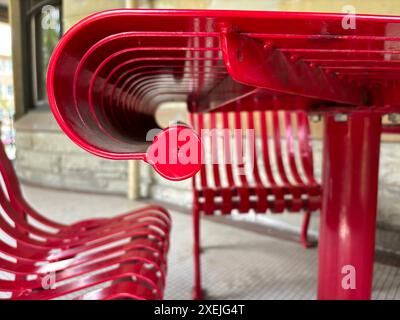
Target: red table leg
point(348, 217)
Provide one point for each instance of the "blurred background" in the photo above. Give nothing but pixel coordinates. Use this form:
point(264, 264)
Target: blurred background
point(45, 157)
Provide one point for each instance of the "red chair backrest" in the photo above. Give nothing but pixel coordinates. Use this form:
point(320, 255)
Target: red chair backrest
point(255, 149)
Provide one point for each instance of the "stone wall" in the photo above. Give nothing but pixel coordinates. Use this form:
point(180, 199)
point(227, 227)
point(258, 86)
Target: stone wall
point(47, 157)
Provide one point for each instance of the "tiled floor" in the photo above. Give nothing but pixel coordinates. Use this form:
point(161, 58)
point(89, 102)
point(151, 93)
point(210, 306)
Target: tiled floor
point(237, 264)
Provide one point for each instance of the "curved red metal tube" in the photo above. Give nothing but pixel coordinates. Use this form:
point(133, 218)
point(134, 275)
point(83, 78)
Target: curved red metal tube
point(111, 71)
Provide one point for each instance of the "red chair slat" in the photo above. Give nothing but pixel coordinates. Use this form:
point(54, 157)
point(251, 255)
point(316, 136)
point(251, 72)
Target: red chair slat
point(281, 189)
point(74, 253)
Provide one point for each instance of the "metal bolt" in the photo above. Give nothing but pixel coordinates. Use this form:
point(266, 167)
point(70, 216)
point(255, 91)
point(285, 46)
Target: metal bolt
point(341, 117)
point(394, 118)
point(315, 118)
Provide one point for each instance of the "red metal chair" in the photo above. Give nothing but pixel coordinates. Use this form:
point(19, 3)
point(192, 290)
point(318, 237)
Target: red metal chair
point(66, 234)
point(126, 255)
point(243, 175)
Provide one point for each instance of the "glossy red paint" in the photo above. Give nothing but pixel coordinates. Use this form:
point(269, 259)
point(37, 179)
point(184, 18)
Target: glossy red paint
point(245, 180)
point(112, 70)
point(60, 252)
point(348, 217)
point(176, 153)
point(391, 129)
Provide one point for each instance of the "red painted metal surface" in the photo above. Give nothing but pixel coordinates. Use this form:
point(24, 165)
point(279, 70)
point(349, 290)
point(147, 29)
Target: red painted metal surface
point(126, 254)
point(240, 175)
point(348, 217)
point(391, 129)
point(111, 72)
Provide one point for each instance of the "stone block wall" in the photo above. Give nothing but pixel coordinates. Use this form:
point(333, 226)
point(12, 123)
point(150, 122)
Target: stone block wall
point(47, 157)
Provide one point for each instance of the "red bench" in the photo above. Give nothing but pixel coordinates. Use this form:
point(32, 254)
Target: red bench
point(249, 168)
point(38, 254)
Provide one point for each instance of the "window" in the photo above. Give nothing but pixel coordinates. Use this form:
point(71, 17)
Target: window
point(3, 12)
point(43, 31)
point(9, 66)
point(10, 90)
point(5, 65)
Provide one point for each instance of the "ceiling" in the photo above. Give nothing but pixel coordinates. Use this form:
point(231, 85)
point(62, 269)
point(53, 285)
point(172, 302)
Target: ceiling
point(4, 3)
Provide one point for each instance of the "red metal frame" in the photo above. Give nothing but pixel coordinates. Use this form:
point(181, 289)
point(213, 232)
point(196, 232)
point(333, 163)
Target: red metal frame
point(391, 129)
point(110, 73)
point(75, 253)
point(348, 217)
point(213, 59)
point(292, 187)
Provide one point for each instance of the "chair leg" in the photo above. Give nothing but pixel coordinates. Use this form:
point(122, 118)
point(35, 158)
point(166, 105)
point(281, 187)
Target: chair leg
point(197, 290)
point(304, 241)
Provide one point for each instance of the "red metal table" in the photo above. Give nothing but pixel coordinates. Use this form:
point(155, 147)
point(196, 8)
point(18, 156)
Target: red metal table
point(110, 72)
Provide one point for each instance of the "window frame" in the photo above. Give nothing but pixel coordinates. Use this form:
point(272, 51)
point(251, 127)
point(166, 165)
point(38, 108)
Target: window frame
point(29, 11)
